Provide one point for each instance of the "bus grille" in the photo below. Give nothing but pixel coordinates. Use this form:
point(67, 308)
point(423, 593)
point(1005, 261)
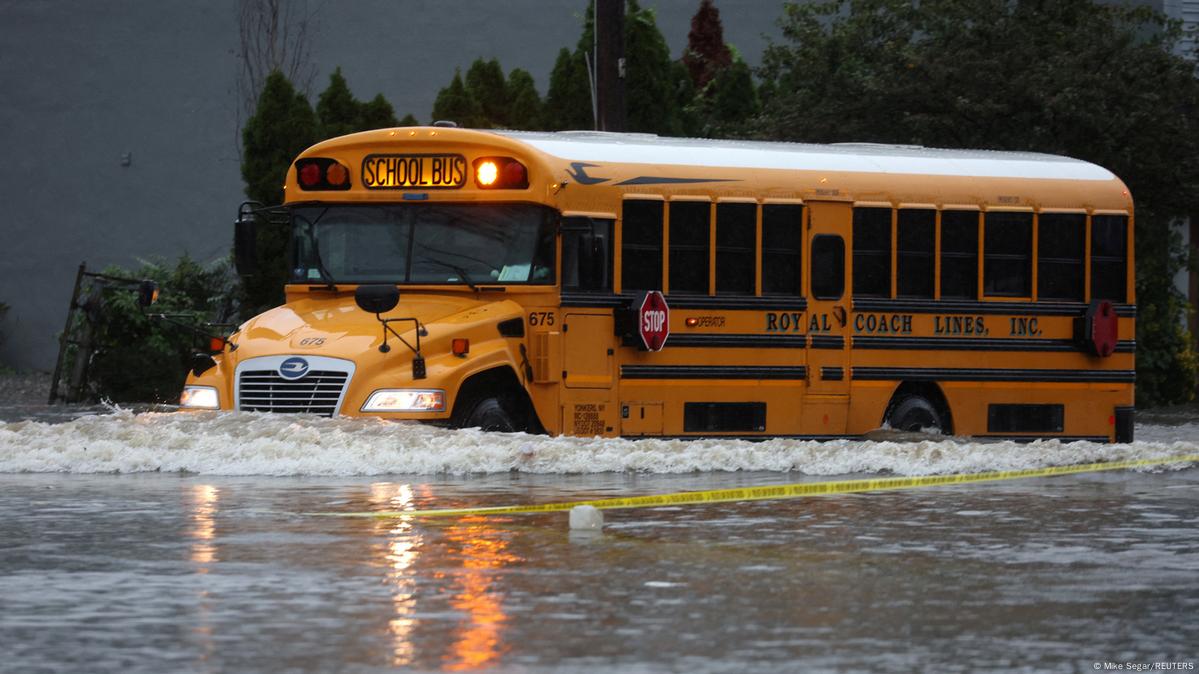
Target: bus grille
point(265, 391)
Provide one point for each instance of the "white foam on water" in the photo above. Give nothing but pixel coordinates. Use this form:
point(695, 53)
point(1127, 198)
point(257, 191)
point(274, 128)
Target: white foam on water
point(265, 444)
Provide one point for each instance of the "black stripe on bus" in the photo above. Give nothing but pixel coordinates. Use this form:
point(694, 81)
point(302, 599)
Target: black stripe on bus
point(828, 342)
point(737, 340)
point(909, 306)
point(977, 344)
point(726, 303)
point(712, 372)
point(829, 373)
point(988, 374)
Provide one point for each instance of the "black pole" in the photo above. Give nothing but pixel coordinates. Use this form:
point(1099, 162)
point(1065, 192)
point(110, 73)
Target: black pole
point(65, 337)
point(609, 64)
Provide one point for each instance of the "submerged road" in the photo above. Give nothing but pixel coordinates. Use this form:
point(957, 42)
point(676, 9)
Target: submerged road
point(153, 543)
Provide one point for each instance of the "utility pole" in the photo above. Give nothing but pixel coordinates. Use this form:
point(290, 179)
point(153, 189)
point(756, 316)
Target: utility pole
point(609, 65)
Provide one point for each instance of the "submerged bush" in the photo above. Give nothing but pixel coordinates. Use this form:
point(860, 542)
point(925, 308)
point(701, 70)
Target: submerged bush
point(139, 359)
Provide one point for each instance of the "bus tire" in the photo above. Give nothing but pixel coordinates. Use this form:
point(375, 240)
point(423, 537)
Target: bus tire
point(489, 414)
point(914, 413)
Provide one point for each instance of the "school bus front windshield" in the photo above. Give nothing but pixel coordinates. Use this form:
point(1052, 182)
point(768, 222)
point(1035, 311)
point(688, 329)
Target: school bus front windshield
point(467, 244)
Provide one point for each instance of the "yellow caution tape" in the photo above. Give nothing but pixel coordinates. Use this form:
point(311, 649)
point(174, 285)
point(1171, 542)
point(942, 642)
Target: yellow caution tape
point(782, 491)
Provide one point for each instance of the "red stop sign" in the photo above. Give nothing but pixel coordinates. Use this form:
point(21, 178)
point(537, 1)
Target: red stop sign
point(653, 320)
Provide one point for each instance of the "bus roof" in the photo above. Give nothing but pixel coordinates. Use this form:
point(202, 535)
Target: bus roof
point(596, 146)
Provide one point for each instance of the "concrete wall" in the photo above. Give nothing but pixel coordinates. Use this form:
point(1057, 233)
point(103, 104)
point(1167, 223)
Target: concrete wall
point(84, 82)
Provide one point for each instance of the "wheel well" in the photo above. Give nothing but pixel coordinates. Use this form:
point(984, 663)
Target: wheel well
point(500, 382)
point(927, 390)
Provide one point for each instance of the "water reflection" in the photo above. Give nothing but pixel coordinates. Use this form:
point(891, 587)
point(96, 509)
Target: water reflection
point(479, 641)
point(205, 500)
point(401, 552)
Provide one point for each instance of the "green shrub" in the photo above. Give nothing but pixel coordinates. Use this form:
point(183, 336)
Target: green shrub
point(140, 359)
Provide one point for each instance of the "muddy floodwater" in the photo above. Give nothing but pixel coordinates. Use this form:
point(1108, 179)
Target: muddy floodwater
point(192, 543)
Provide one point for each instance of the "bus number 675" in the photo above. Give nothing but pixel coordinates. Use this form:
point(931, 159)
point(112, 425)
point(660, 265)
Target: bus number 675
point(541, 318)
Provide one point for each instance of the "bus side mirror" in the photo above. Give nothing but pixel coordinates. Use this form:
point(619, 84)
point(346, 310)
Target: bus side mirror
point(377, 298)
point(245, 243)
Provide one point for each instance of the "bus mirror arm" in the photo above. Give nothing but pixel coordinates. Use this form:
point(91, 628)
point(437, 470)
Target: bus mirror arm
point(418, 361)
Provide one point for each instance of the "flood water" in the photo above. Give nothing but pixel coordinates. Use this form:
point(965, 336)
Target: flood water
point(187, 543)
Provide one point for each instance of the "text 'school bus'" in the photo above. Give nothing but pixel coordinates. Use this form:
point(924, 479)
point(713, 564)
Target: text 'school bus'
point(600, 284)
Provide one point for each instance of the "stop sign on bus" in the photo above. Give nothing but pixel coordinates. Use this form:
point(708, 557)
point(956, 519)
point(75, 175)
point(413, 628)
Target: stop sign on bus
point(653, 320)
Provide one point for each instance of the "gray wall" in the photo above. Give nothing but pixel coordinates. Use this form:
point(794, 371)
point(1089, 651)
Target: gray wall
point(82, 82)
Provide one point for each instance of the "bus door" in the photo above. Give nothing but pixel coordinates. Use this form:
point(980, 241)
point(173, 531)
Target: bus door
point(826, 401)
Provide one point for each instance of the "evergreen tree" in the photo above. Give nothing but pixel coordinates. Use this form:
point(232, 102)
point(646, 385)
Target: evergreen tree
point(340, 113)
point(337, 109)
point(377, 113)
point(485, 82)
point(649, 83)
point(524, 104)
point(455, 103)
point(283, 125)
point(731, 101)
point(408, 120)
point(568, 100)
point(1073, 77)
point(706, 54)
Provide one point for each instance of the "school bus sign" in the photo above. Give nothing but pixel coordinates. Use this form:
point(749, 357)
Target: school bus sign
point(653, 320)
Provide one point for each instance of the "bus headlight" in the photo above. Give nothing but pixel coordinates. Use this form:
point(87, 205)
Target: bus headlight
point(200, 398)
point(406, 400)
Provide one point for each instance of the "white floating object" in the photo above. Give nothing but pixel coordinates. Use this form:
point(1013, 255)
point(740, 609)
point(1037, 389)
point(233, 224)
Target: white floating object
point(588, 518)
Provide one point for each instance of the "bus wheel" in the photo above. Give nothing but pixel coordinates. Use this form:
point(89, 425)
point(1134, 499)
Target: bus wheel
point(914, 413)
point(489, 414)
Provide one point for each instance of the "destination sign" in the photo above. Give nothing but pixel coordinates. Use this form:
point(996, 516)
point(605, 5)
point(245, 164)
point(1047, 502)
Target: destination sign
point(423, 171)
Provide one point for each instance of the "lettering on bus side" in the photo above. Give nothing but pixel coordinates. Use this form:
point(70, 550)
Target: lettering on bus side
point(959, 325)
point(883, 324)
point(1024, 326)
point(784, 321)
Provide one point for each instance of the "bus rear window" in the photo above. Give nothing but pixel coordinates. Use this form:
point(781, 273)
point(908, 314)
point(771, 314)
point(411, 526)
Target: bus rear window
point(1109, 255)
point(1061, 249)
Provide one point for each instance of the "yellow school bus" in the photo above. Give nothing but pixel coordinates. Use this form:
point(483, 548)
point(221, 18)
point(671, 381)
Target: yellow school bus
point(598, 284)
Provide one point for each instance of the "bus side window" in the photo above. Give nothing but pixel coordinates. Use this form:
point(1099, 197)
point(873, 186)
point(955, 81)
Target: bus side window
point(1109, 255)
point(641, 246)
point(1007, 254)
point(959, 254)
point(828, 267)
point(916, 232)
point(871, 252)
point(782, 249)
point(736, 226)
point(690, 232)
point(1061, 249)
point(586, 255)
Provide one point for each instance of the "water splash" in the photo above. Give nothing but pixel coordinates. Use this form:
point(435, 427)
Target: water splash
point(264, 444)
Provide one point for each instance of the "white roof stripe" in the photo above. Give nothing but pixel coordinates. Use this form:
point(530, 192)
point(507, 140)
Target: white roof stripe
point(850, 157)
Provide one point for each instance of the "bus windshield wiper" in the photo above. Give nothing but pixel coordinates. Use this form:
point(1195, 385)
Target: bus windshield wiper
point(462, 274)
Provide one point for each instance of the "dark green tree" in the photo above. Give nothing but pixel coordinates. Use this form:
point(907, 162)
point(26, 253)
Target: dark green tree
point(524, 104)
point(377, 113)
point(650, 84)
point(1074, 77)
point(456, 104)
point(731, 101)
point(337, 109)
point(568, 99)
point(282, 126)
point(409, 120)
point(486, 84)
point(706, 54)
point(340, 113)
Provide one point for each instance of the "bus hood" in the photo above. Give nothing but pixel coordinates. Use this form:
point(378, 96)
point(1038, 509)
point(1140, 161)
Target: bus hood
point(336, 327)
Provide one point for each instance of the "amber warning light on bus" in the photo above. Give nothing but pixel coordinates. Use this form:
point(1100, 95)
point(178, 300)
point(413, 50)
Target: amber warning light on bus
point(503, 173)
point(322, 174)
